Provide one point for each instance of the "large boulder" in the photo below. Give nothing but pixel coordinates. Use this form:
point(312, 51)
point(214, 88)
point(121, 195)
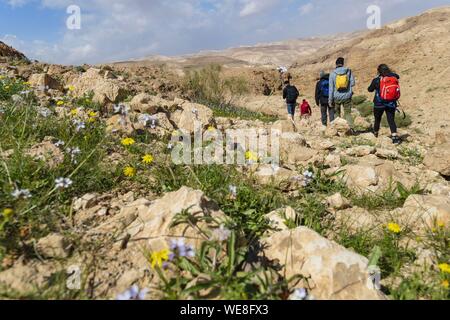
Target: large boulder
point(297, 154)
point(145, 103)
point(426, 211)
point(333, 272)
point(105, 90)
point(341, 126)
point(438, 159)
point(154, 221)
point(360, 176)
point(44, 80)
point(191, 114)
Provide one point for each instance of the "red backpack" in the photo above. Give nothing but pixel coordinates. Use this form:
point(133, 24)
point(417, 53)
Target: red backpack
point(389, 89)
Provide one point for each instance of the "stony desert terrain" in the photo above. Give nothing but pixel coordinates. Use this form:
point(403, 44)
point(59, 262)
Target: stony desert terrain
point(93, 207)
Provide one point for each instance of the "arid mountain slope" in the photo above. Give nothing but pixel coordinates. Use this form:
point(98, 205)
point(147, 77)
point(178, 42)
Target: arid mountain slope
point(9, 52)
point(417, 48)
point(261, 55)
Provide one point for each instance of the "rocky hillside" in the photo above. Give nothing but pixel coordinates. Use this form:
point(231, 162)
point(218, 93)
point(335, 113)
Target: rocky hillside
point(92, 205)
point(416, 48)
point(9, 52)
point(263, 55)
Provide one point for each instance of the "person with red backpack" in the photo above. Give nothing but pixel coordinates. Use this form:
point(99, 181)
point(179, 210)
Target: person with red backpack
point(387, 93)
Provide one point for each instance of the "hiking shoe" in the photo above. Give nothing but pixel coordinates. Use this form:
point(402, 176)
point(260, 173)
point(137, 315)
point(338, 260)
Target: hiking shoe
point(396, 140)
point(376, 134)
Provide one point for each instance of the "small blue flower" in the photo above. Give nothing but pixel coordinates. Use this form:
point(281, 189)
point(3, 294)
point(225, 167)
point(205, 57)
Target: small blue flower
point(180, 249)
point(133, 293)
point(299, 294)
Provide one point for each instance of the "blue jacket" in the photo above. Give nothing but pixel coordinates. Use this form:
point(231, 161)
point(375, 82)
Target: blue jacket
point(336, 95)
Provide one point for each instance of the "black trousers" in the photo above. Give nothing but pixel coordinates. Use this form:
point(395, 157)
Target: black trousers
point(390, 114)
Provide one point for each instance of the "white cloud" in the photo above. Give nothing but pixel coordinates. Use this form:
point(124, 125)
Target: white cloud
point(113, 30)
point(252, 7)
point(306, 8)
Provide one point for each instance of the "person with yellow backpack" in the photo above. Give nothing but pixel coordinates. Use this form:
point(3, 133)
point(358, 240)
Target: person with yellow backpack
point(342, 82)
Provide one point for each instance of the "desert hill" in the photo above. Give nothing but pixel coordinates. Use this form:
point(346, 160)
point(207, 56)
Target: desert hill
point(9, 52)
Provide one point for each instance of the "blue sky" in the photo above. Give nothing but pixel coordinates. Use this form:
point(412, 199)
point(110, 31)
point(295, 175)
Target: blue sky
point(113, 30)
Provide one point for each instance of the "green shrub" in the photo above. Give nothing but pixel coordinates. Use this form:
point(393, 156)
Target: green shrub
point(412, 155)
point(402, 122)
point(392, 197)
point(230, 111)
point(357, 100)
point(365, 109)
point(208, 86)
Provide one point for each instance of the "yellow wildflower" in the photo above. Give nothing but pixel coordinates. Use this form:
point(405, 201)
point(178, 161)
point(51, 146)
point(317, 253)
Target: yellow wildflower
point(7, 88)
point(60, 103)
point(2, 77)
point(92, 114)
point(147, 159)
point(445, 284)
point(211, 129)
point(441, 224)
point(159, 257)
point(8, 213)
point(91, 120)
point(74, 112)
point(26, 83)
point(71, 88)
point(129, 172)
point(394, 228)
point(128, 142)
point(251, 156)
point(175, 134)
point(444, 267)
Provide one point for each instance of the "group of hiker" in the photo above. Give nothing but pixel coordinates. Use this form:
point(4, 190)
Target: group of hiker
point(334, 94)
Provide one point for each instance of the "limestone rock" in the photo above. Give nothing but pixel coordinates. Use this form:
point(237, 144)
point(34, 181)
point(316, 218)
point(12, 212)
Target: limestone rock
point(53, 246)
point(361, 177)
point(119, 124)
point(277, 218)
point(105, 90)
point(46, 151)
point(335, 273)
point(24, 277)
point(425, 211)
point(297, 154)
point(149, 224)
point(190, 114)
point(285, 179)
point(284, 126)
point(44, 80)
point(338, 202)
point(438, 159)
point(387, 153)
point(439, 189)
point(341, 126)
point(145, 103)
point(360, 151)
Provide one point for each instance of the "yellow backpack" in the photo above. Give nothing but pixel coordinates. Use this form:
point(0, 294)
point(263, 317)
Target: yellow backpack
point(342, 82)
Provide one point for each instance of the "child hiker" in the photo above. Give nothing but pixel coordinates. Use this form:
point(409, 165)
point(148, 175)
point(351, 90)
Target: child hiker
point(305, 110)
